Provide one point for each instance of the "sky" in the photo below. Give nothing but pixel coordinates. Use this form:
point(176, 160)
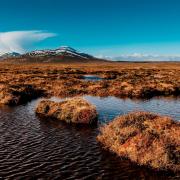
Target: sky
point(99, 27)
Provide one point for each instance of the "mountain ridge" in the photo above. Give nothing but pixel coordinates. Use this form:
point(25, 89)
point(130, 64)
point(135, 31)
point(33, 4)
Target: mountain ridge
point(63, 54)
point(63, 50)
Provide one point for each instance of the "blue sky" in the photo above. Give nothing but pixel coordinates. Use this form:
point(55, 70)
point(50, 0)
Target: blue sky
point(100, 27)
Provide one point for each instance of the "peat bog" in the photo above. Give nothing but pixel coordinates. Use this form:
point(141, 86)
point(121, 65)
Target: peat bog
point(31, 146)
point(133, 80)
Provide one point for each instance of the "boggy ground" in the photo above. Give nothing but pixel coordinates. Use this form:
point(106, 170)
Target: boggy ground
point(134, 80)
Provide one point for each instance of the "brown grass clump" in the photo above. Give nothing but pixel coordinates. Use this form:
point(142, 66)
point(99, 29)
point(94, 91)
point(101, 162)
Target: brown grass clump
point(75, 110)
point(18, 94)
point(144, 138)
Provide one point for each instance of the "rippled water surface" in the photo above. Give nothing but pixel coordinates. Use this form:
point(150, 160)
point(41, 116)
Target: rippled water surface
point(30, 147)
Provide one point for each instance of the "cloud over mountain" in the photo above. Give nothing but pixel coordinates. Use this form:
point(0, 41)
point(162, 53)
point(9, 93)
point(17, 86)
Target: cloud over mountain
point(20, 41)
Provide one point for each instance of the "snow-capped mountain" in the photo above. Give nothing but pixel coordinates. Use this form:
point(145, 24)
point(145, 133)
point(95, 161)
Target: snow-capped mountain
point(9, 55)
point(62, 51)
point(68, 53)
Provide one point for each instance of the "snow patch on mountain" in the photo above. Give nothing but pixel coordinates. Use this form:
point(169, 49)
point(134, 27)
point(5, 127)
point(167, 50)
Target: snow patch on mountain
point(9, 55)
point(62, 51)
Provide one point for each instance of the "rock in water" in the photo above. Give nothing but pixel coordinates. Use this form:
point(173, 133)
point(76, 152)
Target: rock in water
point(75, 110)
point(144, 138)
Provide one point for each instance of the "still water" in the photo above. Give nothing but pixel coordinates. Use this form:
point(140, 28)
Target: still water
point(92, 78)
point(34, 148)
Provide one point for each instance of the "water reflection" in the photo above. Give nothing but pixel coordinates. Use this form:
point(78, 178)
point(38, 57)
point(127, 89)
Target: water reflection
point(92, 78)
point(110, 107)
point(34, 148)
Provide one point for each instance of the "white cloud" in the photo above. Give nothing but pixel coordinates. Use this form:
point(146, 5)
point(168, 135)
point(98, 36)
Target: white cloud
point(20, 41)
point(141, 57)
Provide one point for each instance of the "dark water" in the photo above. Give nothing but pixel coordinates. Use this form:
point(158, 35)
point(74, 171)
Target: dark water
point(92, 78)
point(34, 148)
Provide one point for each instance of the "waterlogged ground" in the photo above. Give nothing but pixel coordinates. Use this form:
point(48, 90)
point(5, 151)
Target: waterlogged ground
point(30, 147)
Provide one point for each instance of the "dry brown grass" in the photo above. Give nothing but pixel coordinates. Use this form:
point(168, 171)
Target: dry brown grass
point(75, 110)
point(134, 80)
point(144, 138)
point(18, 94)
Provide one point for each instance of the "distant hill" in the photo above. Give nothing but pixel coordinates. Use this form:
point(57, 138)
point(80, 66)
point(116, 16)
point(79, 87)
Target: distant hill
point(62, 51)
point(63, 54)
point(147, 58)
point(9, 55)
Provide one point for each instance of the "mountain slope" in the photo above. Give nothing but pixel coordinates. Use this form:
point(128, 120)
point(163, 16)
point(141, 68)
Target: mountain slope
point(62, 51)
point(9, 55)
point(63, 54)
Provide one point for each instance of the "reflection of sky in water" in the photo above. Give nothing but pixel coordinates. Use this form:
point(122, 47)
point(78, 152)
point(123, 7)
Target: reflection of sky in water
point(92, 78)
point(110, 107)
point(53, 150)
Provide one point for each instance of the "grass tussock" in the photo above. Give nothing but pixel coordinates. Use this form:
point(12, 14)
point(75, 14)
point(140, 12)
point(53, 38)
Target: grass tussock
point(75, 110)
point(145, 138)
point(18, 94)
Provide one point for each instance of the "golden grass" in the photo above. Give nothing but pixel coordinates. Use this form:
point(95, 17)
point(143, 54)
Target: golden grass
point(134, 80)
point(74, 110)
point(145, 138)
point(18, 94)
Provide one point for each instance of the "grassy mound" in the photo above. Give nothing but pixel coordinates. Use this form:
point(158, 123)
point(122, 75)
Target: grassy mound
point(18, 94)
point(75, 110)
point(144, 138)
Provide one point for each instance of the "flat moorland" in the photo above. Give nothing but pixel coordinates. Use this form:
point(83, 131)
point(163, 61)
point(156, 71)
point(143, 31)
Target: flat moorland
point(123, 79)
